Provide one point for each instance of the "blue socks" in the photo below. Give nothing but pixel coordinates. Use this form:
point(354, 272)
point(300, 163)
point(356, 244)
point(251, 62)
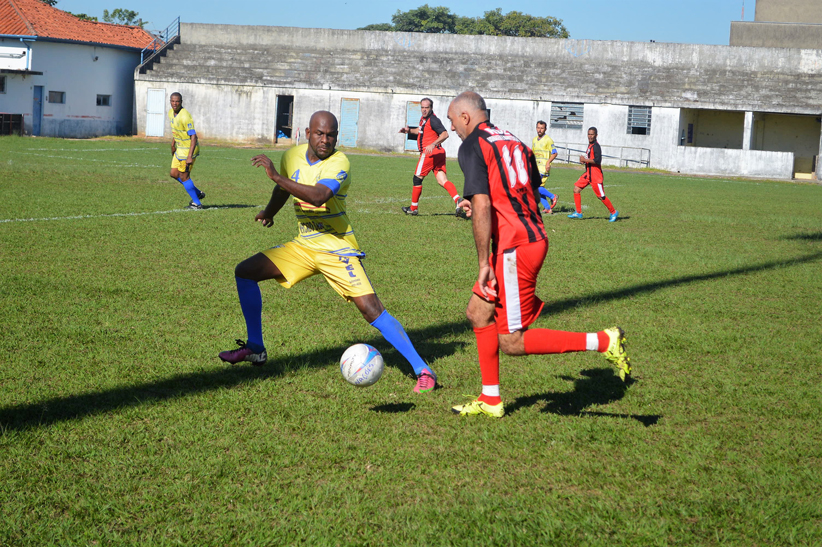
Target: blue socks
point(251, 302)
point(393, 332)
point(546, 197)
point(191, 189)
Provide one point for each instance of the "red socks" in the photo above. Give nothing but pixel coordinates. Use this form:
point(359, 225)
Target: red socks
point(578, 202)
point(607, 203)
point(451, 189)
point(544, 341)
point(416, 192)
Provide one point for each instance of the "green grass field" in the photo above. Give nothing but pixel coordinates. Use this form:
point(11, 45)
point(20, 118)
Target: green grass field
point(119, 425)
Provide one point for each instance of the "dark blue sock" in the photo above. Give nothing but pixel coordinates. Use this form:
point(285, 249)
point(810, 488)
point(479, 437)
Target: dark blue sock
point(393, 332)
point(251, 302)
point(545, 197)
point(191, 189)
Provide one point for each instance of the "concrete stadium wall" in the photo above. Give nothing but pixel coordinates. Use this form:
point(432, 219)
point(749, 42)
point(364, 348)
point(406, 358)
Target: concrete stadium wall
point(230, 77)
point(694, 160)
point(789, 11)
point(776, 35)
point(543, 69)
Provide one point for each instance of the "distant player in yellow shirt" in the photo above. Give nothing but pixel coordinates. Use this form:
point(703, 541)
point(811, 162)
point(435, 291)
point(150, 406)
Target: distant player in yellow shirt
point(184, 149)
point(318, 178)
point(545, 152)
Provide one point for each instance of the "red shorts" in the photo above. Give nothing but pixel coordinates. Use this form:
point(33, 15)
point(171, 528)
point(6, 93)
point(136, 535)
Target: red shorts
point(596, 184)
point(516, 270)
point(434, 161)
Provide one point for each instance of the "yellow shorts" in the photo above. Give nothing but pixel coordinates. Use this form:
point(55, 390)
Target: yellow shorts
point(180, 165)
point(345, 274)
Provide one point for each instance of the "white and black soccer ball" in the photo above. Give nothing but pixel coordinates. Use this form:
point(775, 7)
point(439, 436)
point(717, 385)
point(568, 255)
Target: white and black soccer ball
point(361, 365)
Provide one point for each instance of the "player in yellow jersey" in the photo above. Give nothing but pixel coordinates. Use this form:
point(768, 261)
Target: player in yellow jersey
point(318, 177)
point(184, 149)
point(545, 152)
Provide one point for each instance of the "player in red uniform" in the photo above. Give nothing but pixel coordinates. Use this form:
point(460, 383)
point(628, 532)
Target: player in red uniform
point(592, 160)
point(430, 136)
point(502, 192)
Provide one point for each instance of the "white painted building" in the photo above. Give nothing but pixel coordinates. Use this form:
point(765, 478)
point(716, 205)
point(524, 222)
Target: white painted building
point(65, 77)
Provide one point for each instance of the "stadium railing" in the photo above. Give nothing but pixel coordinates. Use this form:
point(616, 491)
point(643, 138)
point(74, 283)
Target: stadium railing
point(161, 40)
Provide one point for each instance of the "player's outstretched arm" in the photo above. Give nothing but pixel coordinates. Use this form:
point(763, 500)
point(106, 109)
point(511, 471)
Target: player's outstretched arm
point(278, 199)
point(315, 195)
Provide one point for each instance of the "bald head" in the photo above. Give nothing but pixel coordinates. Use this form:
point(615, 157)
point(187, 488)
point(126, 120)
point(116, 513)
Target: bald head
point(466, 112)
point(323, 116)
point(322, 135)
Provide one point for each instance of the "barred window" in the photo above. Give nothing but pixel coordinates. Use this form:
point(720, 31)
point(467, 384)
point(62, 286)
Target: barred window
point(639, 120)
point(57, 97)
point(567, 115)
point(103, 100)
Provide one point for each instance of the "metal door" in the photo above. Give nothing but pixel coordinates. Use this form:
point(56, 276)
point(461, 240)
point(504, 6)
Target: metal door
point(155, 112)
point(37, 111)
point(412, 119)
point(349, 122)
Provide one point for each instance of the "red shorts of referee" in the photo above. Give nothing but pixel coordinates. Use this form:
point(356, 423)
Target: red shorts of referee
point(501, 192)
point(430, 136)
point(592, 160)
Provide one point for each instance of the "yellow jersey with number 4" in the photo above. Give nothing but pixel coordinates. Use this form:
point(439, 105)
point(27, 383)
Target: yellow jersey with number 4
point(325, 228)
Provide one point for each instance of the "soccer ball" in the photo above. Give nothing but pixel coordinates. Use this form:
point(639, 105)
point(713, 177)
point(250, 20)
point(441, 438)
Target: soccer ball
point(361, 365)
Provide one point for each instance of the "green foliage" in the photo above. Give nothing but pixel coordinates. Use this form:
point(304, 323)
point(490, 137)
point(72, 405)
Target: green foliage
point(121, 16)
point(84, 17)
point(425, 19)
point(378, 26)
point(513, 23)
point(492, 23)
point(119, 425)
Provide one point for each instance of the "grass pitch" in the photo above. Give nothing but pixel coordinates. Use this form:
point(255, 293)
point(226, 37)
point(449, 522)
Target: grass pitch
point(119, 425)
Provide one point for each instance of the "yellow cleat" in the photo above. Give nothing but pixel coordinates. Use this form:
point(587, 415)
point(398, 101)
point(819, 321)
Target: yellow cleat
point(479, 407)
point(616, 353)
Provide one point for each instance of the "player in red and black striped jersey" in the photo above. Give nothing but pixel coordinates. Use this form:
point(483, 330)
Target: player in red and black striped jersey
point(592, 160)
point(502, 193)
point(430, 136)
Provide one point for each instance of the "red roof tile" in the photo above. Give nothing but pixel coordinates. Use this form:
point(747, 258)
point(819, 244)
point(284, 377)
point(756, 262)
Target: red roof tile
point(35, 18)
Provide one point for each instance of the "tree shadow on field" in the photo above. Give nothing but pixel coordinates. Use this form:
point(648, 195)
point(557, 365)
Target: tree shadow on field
point(560, 306)
point(597, 387)
point(807, 236)
point(427, 340)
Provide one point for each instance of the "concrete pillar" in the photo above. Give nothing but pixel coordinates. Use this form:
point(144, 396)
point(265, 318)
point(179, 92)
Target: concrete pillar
point(747, 135)
point(819, 159)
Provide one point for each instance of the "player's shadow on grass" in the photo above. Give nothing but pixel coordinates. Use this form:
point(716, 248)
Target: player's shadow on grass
point(394, 408)
point(231, 206)
point(596, 387)
point(73, 407)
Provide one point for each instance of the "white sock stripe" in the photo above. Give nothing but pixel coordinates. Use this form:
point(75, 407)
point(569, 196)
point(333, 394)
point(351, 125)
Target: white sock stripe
point(490, 391)
point(591, 341)
point(510, 283)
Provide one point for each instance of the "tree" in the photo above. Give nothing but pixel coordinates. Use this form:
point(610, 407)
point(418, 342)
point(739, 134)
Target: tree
point(49, 2)
point(123, 17)
point(83, 16)
point(378, 26)
point(435, 20)
point(492, 23)
point(513, 23)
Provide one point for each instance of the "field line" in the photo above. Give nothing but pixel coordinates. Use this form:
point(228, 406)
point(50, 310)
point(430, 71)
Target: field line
point(80, 217)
